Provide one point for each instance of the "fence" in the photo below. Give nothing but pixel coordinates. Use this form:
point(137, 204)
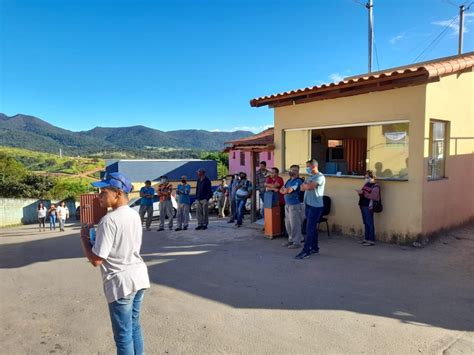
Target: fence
point(15, 211)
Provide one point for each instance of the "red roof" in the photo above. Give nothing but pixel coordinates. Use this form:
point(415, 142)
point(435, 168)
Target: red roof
point(264, 138)
point(413, 74)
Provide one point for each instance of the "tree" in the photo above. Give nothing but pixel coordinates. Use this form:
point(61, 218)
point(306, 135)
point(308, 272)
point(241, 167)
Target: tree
point(222, 161)
point(10, 169)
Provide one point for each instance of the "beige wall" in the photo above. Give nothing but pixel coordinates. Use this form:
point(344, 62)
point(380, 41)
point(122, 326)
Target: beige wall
point(402, 214)
point(450, 201)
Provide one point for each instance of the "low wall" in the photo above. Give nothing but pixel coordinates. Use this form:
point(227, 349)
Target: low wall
point(15, 211)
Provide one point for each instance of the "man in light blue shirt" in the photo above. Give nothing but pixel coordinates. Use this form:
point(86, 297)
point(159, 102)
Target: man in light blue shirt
point(184, 202)
point(313, 188)
point(146, 204)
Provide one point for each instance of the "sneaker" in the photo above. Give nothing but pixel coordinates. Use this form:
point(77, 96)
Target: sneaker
point(178, 229)
point(313, 251)
point(204, 227)
point(303, 255)
point(230, 221)
point(185, 228)
point(362, 241)
point(368, 244)
point(287, 244)
point(160, 229)
point(294, 246)
point(198, 228)
point(237, 225)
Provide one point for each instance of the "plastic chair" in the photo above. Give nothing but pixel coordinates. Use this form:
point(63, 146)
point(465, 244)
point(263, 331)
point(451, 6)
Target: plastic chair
point(326, 211)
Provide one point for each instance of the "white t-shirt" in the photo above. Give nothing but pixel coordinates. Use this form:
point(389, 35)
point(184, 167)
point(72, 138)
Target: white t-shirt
point(63, 212)
point(42, 212)
point(118, 242)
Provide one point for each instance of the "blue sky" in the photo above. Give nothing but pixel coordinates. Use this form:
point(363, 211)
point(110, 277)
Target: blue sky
point(196, 64)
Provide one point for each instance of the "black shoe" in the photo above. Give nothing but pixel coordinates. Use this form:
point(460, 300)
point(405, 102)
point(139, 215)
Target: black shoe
point(198, 228)
point(230, 221)
point(314, 251)
point(178, 229)
point(185, 228)
point(303, 255)
point(160, 229)
point(204, 228)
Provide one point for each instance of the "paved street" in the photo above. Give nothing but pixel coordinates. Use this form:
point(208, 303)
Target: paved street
point(232, 291)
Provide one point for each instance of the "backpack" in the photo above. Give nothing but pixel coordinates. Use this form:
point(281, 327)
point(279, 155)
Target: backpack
point(377, 206)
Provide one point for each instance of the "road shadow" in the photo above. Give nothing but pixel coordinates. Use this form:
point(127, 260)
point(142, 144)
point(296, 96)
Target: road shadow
point(409, 285)
point(60, 246)
point(239, 268)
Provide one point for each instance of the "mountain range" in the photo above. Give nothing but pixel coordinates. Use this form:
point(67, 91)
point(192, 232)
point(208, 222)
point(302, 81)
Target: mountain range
point(32, 133)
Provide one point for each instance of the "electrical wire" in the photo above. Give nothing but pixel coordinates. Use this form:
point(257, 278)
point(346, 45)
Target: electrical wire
point(359, 3)
point(376, 56)
point(435, 41)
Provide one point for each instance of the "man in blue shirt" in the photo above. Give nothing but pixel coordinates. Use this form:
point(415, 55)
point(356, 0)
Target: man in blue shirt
point(313, 188)
point(294, 209)
point(184, 201)
point(146, 204)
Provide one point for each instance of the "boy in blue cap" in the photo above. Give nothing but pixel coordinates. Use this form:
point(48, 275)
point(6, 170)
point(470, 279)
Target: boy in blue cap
point(117, 251)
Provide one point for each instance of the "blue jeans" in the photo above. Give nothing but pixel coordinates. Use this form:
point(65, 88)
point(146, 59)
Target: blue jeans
point(239, 210)
point(368, 219)
point(313, 214)
point(52, 222)
point(125, 316)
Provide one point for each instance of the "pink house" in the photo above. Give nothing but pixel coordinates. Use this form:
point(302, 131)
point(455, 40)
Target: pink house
point(241, 150)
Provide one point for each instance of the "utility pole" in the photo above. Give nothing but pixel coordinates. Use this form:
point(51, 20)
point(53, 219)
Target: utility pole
point(461, 28)
point(369, 7)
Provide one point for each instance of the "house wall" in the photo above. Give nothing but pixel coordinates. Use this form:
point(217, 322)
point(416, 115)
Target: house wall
point(450, 201)
point(234, 161)
point(402, 215)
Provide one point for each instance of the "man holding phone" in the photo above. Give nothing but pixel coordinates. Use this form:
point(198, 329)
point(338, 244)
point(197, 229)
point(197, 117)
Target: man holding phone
point(117, 251)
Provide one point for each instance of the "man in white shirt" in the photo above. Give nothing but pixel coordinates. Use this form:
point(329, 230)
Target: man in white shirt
point(117, 251)
point(63, 214)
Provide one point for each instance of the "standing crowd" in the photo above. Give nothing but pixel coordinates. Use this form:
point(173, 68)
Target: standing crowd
point(54, 214)
point(115, 246)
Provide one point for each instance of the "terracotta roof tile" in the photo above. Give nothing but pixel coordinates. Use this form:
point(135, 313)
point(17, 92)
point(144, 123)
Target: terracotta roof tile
point(262, 138)
point(430, 69)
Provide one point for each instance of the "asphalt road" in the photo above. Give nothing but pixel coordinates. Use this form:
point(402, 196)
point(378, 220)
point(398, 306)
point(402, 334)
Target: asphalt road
point(232, 291)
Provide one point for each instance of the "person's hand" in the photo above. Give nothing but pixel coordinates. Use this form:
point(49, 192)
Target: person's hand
point(358, 191)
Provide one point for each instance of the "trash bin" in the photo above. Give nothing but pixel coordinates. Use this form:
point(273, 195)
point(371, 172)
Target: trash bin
point(90, 210)
point(272, 212)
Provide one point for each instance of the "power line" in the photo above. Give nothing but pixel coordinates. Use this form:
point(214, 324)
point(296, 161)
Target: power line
point(436, 40)
point(359, 3)
point(376, 55)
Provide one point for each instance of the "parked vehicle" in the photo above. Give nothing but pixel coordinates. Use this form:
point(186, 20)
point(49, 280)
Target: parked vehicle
point(135, 204)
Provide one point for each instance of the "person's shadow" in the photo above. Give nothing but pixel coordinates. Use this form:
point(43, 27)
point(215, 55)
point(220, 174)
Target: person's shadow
point(379, 172)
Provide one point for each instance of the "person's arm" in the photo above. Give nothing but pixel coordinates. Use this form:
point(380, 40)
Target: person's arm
point(308, 186)
point(142, 194)
point(209, 188)
point(87, 248)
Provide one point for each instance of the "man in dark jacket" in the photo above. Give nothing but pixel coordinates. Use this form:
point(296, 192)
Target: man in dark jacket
point(203, 194)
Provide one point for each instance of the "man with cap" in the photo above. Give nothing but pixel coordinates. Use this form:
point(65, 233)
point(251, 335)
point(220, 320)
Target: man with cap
point(203, 194)
point(146, 204)
point(116, 249)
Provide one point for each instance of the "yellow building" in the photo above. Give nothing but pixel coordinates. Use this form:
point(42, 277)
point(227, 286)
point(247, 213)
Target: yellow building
point(412, 125)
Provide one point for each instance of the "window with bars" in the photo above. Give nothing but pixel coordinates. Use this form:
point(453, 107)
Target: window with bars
point(242, 158)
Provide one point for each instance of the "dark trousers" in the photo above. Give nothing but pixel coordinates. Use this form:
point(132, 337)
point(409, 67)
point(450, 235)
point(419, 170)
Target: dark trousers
point(240, 210)
point(368, 219)
point(313, 214)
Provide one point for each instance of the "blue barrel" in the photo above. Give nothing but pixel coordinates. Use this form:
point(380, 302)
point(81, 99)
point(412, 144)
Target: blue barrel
point(270, 199)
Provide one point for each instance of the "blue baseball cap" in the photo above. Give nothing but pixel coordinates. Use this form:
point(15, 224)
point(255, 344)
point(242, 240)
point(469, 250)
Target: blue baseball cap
point(116, 180)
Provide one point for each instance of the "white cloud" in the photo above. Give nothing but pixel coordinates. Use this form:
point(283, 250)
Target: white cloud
point(398, 38)
point(454, 25)
point(336, 77)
